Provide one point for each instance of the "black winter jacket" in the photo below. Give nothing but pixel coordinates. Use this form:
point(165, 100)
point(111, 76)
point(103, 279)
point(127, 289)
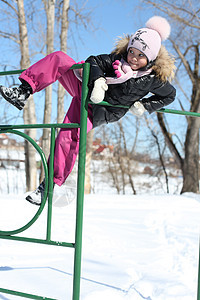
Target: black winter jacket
point(126, 93)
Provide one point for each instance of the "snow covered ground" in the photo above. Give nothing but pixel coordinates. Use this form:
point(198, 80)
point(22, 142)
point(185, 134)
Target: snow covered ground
point(134, 248)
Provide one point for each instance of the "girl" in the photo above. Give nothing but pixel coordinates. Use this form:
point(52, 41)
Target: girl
point(139, 65)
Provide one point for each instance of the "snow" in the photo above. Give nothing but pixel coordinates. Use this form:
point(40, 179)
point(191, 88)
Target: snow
point(134, 247)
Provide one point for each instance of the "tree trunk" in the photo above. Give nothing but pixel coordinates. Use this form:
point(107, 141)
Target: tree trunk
point(50, 13)
point(188, 57)
point(29, 111)
point(63, 47)
point(168, 138)
point(191, 161)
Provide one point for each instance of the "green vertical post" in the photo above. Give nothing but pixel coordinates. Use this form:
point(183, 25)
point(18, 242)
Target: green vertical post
point(198, 287)
point(80, 184)
point(50, 184)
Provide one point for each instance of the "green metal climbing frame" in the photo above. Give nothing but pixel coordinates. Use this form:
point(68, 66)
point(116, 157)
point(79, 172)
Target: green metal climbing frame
point(77, 244)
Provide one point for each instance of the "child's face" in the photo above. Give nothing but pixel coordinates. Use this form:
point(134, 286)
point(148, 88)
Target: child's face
point(136, 59)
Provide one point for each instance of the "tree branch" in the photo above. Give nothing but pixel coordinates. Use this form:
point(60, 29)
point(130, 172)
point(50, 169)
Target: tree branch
point(176, 16)
point(12, 7)
point(169, 141)
point(10, 36)
point(184, 61)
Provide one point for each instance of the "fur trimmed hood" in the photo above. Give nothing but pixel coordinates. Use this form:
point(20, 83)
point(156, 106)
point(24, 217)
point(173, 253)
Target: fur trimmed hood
point(164, 66)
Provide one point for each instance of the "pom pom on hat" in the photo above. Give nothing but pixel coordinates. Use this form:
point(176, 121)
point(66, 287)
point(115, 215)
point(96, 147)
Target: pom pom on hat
point(148, 40)
point(160, 25)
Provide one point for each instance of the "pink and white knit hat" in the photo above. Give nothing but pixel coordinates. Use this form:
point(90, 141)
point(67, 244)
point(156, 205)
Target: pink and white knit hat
point(148, 40)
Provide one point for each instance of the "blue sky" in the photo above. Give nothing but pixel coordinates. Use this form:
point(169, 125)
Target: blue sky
point(113, 18)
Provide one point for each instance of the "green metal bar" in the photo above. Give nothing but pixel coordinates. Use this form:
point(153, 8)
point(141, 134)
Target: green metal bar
point(51, 176)
point(198, 284)
point(21, 294)
point(25, 136)
point(162, 110)
point(33, 126)
point(179, 112)
point(13, 72)
point(39, 241)
point(80, 184)
point(104, 103)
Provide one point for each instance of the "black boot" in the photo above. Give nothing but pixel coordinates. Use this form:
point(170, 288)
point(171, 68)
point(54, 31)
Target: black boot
point(17, 96)
point(36, 196)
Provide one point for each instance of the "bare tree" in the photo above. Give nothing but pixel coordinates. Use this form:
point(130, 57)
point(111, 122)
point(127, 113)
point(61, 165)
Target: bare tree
point(63, 47)
point(89, 150)
point(120, 163)
point(128, 157)
point(29, 111)
point(81, 16)
point(50, 15)
point(185, 19)
point(160, 154)
point(21, 39)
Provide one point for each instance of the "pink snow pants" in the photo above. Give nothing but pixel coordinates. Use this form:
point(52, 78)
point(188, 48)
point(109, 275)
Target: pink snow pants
point(56, 66)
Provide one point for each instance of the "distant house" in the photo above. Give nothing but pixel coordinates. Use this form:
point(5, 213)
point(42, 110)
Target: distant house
point(3, 139)
point(12, 152)
point(8, 142)
point(101, 150)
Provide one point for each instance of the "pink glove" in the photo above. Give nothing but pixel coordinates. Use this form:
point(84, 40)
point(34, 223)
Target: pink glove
point(123, 72)
point(117, 67)
point(81, 62)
